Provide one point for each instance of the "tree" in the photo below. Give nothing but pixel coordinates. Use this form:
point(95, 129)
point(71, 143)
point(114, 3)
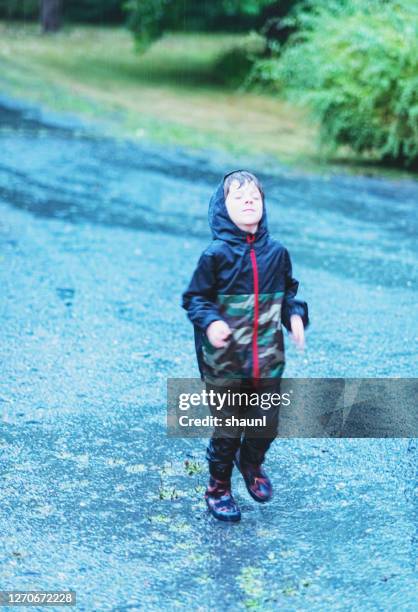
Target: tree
point(51, 11)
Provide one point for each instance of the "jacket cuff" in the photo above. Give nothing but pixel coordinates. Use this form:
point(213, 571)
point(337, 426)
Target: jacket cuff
point(295, 307)
point(210, 318)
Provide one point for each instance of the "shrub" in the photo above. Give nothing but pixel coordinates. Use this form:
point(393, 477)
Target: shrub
point(233, 66)
point(355, 64)
point(149, 19)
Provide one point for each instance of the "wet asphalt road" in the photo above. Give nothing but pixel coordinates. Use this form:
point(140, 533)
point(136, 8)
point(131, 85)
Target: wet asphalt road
point(98, 239)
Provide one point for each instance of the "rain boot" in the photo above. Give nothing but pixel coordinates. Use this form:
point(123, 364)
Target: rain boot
point(256, 480)
point(220, 502)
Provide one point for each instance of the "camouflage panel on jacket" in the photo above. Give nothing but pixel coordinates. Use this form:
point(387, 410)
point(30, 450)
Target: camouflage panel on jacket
point(235, 360)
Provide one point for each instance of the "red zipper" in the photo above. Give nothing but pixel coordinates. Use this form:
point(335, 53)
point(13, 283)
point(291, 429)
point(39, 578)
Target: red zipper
point(256, 367)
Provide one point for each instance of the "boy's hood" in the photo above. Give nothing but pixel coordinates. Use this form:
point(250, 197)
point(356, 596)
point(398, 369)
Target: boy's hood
point(221, 225)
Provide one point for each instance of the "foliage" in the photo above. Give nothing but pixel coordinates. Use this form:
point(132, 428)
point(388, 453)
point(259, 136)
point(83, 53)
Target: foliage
point(248, 7)
point(265, 75)
point(234, 65)
point(148, 19)
point(19, 9)
point(94, 11)
point(355, 64)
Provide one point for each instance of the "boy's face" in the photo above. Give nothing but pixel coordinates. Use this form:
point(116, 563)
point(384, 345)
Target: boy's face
point(244, 205)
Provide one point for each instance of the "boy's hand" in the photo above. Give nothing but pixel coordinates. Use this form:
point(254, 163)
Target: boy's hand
point(298, 331)
point(217, 333)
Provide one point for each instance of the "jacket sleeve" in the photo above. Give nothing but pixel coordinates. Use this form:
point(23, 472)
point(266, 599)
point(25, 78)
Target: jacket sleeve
point(290, 304)
point(200, 296)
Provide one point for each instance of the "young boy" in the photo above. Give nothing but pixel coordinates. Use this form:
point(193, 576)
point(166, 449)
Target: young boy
point(241, 293)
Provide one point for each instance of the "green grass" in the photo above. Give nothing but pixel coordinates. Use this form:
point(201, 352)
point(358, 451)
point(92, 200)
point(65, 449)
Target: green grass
point(171, 94)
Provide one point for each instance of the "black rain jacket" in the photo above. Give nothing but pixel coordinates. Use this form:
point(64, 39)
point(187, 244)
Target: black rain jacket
point(245, 280)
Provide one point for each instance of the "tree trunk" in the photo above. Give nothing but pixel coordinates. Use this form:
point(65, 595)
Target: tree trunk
point(51, 15)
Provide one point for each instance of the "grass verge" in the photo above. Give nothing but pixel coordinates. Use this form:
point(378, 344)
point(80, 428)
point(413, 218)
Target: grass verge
point(170, 94)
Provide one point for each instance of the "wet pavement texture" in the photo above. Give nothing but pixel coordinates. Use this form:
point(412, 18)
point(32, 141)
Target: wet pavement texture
point(98, 239)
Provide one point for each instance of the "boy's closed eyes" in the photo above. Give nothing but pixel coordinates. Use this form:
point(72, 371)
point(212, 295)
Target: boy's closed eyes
point(244, 205)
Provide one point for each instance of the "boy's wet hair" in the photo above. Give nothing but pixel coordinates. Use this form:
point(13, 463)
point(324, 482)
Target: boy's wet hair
point(242, 176)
